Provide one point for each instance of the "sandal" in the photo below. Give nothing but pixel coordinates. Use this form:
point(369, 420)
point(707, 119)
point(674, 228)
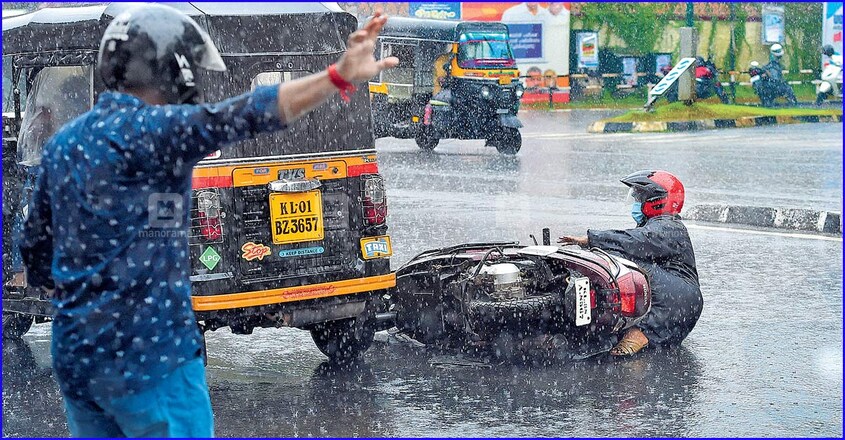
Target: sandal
point(628, 346)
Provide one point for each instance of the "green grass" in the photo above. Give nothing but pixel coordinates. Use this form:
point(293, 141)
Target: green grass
point(678, 111)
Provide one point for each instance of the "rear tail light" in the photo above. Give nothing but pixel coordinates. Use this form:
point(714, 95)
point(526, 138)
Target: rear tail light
point(633, 294)
point(373, 199)
point(209, 214)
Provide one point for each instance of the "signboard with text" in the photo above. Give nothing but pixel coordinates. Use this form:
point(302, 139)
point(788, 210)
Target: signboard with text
point(832, 28)
point(436, 10)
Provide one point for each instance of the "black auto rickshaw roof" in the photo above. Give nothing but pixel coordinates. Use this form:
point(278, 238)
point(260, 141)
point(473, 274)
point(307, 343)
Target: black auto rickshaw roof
point(236, 28)
point(438, 30)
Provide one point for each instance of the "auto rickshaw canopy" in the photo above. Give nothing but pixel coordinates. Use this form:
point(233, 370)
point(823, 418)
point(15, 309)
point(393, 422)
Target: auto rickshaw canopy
point(236, 28)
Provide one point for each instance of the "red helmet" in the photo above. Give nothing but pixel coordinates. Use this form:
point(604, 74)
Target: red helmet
point(659, 191)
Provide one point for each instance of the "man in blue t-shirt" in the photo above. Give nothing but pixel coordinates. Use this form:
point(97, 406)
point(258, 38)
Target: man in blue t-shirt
point(101, 229)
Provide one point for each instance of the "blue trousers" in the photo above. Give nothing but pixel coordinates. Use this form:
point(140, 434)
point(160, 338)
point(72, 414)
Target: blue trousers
point(179, 406)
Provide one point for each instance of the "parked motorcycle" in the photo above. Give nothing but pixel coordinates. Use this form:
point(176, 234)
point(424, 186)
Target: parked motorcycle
point(831, 77)
point(707, 81)
point(472, 296)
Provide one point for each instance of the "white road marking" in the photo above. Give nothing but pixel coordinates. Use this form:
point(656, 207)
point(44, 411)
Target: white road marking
point(771, 233)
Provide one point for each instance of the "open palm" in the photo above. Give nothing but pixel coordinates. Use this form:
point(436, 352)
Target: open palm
point(359, 63)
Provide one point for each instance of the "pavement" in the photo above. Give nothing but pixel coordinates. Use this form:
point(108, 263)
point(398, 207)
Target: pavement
point(765, 358)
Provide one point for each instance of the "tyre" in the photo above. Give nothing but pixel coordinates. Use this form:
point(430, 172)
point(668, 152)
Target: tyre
point(343, 340)
point(426, 139)
point(16, 325)
point(509, 142)
point(516, 314)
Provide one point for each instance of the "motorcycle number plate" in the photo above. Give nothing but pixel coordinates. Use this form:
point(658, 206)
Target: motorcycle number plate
point(583, 315)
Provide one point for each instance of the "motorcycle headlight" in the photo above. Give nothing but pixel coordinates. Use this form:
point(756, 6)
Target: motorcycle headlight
point(519, 90)
point(485, 92)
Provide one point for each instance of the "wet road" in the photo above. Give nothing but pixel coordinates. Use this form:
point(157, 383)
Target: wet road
point(764, 360)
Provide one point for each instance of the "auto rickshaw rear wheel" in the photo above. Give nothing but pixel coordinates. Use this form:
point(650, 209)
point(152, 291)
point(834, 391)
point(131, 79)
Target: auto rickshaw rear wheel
point(16, 325)
point(425, 139)
point(509, 141)
point(343, 340)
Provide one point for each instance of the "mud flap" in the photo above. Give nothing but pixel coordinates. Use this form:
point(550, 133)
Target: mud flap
point(510, 121)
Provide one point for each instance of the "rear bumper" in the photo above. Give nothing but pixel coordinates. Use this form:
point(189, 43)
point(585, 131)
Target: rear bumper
point(290, 294)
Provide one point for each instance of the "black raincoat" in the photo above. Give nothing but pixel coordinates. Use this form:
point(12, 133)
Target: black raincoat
point(661, 247)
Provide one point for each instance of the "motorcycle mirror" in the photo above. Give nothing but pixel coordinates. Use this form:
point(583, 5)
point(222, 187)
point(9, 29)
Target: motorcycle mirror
point(535, 240)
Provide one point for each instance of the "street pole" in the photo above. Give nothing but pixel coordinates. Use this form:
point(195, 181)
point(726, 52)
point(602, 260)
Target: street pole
point(689, 47)
point(690, 14)
point(732, 52)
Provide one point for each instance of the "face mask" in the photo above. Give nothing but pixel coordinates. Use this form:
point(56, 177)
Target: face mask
point(637, 212)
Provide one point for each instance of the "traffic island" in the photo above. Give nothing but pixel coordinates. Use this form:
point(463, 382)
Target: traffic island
point(809, 220)
point(705, 116)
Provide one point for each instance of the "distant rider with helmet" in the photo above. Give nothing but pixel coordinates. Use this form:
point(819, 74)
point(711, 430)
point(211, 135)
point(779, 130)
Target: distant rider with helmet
point(774, 84)
point(661, 246)
point(831, 74)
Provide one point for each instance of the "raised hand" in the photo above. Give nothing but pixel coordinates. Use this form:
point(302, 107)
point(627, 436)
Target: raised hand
point(359, 63)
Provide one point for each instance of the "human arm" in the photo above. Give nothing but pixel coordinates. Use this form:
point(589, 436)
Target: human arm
point(36, 245)
point(652, 241)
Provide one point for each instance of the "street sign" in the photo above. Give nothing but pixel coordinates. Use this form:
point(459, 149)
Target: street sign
point(667, 81)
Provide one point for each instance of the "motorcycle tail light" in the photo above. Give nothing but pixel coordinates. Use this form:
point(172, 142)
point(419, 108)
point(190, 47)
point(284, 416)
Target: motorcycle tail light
point(373, 199)
point(634, 296)
point(208, 215)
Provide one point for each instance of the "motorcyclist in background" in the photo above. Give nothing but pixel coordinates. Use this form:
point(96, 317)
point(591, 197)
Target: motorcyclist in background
point(831, 74)
point(774, 82)
point(661, 246)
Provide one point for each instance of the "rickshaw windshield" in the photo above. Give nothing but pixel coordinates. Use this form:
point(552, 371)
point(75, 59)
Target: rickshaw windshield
point(58, 94)
point(485, 49)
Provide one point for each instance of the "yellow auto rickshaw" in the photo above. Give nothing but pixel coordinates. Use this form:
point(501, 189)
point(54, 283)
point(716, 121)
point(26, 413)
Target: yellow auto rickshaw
point(455, 79)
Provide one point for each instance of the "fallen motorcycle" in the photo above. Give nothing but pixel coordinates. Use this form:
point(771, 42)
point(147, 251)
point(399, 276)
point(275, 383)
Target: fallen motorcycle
point(478, 294)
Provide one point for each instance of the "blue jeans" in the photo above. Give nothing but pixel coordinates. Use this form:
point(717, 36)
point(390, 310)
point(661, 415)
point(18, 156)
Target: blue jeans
point(179, 406)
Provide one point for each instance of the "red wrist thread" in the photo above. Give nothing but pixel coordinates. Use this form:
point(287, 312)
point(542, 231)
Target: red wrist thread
point(343, 85)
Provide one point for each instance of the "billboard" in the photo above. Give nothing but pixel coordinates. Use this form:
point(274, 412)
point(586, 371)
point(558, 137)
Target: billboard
point(773, 24)
point(587, 45)
point(539, 31)
point(436, 10)
point(832, 28)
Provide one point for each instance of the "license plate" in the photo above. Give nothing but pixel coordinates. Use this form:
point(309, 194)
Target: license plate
point(503, 111)
point(296, 217)
point(583, 315)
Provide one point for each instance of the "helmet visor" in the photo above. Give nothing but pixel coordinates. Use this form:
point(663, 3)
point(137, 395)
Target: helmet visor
point(210, 59)
point(633, 196)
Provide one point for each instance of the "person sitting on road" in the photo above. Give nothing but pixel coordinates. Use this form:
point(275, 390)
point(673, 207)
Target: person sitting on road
point(127, 351)
point(661, 246)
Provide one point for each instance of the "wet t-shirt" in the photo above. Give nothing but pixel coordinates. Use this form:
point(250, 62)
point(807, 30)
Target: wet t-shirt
point(108, 227)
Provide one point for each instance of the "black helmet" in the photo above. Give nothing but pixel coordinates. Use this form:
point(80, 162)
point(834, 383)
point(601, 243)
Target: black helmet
point(157, 47)
point(827, 49)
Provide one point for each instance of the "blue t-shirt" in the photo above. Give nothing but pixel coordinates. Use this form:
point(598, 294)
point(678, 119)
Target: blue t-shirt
point(107, 228)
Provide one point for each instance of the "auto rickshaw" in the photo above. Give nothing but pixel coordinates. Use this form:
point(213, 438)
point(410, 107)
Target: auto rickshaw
point(455, 79)
point(254, 263)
